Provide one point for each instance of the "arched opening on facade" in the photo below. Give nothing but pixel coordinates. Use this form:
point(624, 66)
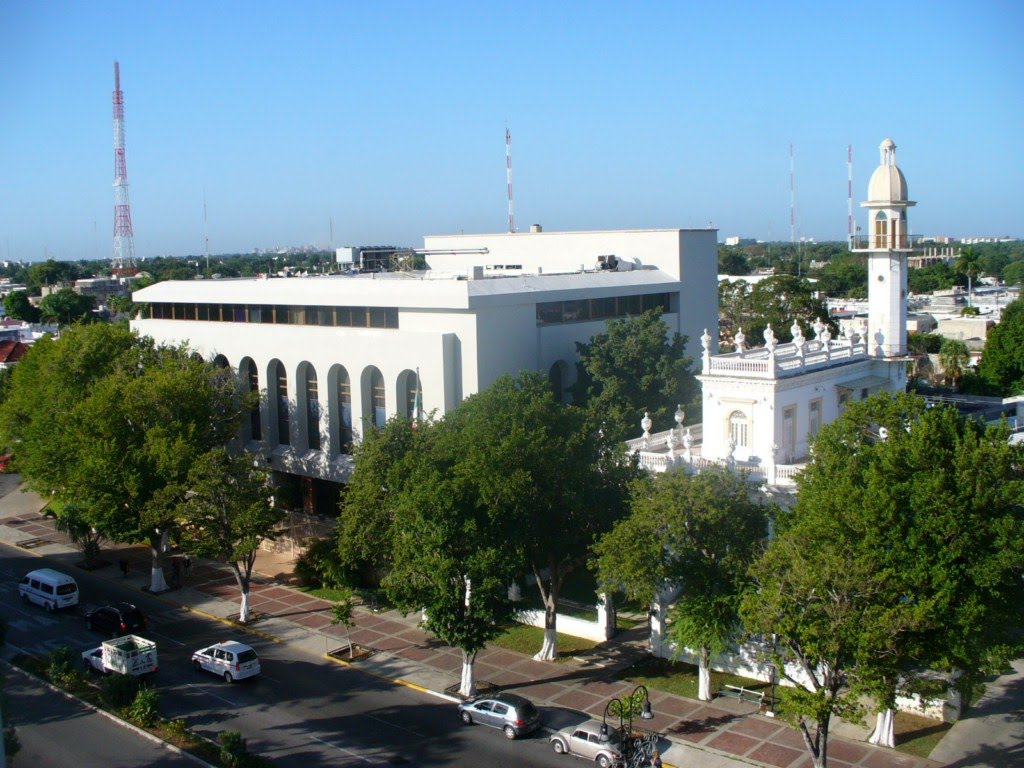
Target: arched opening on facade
point(409, 393)
point(279, 402)
point(221, 362)
point(881, 230)
point(339, 410)
point(309, 405)
point(374, 400)
point(558, 378)
point(250, 380)
point(739, 429)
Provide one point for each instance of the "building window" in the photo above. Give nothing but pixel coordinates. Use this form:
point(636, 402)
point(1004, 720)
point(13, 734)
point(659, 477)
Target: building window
point(281, 379)
point(378, 402)
point(881, 230)
point(739, 429)
point(252, 380)
point(814, 418)
point(281, 314)
point(586, 310)
point(344, 411)
point(413, 396)
point(312, 410)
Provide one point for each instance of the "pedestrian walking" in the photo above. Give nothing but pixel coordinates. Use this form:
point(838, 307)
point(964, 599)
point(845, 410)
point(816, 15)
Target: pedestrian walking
point(123, 565)
point(188, 565)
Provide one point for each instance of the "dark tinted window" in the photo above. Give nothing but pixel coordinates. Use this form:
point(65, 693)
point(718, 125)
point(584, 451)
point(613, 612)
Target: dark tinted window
point(249, 655)
point(66, 589)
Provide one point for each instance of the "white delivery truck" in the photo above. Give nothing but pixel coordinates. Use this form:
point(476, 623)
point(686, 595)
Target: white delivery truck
point(128, 655)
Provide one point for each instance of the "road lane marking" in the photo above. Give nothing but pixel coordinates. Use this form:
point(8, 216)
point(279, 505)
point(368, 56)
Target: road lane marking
point(166, 637)
point(364, 758)
point(209, 693)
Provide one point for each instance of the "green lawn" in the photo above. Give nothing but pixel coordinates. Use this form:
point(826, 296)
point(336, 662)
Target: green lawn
point(918, 735)
point(528, 640)
point(681, 679)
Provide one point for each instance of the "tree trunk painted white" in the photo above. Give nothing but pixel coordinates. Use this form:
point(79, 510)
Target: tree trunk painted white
point(884, 734)
point(243, 586)
point(157, 547)
point(467, 686)
point(549, 649)
point(704, 674)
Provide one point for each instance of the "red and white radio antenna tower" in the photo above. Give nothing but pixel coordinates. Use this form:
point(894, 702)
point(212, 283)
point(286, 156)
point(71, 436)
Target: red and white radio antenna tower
point(124, 239)
point(849, 191)
point(508, 165)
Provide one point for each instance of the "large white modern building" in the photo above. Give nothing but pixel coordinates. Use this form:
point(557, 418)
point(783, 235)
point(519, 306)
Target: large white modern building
point(336, 353)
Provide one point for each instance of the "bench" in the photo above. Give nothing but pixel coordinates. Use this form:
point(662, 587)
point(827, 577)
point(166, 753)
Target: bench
point(743, 694)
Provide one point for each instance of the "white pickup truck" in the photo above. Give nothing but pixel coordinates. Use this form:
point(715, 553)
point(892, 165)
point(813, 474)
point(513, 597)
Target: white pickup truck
point(128, 655)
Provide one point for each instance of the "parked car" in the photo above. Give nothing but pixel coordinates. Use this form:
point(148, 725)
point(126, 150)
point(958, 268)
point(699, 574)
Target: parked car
point(513, 714)
point(585, 741)
point(115, 620)
point(49, 588)
point(231, 660)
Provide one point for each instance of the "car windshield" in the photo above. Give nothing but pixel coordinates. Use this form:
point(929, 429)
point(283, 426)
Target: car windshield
point(249, 655)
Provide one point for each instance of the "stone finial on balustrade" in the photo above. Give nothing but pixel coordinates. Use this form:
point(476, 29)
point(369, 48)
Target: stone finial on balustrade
point(671, 441)
point(646, 424)
point(687, 445)
point(770, 344)
point(826, 338)
point(730, 458)
point(741, 341)
point(799, 342)
point(705, 342)
point(817, 326)
point(680, 414)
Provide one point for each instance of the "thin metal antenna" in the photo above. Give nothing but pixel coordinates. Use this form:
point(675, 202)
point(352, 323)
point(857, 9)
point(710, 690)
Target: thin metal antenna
point(849, 191)
point(792, 196)
point(206, 236)
point(508, 164)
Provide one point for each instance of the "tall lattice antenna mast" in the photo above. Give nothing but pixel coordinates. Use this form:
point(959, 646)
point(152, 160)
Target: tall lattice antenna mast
point(508, 166)
point(206, 235)
point(124, 239)
point(849, 192)
point(792, 196)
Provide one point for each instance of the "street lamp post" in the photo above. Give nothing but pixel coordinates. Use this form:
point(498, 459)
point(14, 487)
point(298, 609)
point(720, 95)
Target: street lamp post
point(626, 708)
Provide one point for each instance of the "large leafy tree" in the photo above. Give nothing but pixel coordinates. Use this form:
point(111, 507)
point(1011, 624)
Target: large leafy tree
point(114, 424)
point(1002, 360)
point(696, 533)
point(227, 513)
point(777, 300)
point(18, 306)
point(451, 555)
point(904, 551)
point(553, 482)
point(634, 366)
point(66, 306)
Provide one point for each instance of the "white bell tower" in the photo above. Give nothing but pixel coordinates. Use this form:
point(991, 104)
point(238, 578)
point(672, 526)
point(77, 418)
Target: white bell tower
point(887, 247)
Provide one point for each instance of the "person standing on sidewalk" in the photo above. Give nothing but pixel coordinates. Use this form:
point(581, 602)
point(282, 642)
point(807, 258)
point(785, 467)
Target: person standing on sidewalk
point(123, 565)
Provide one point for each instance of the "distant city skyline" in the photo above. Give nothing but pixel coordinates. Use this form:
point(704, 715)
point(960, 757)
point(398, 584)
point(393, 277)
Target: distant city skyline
point(385, 123)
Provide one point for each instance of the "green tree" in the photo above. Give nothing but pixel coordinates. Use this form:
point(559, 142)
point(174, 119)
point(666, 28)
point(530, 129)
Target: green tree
point(954, 358)
point(18, 306)
point(546, 475)
point(1013, 273)
point(699, 534)
point(634, 366)
point(904, 552)
point(227, 513)
point(1002, 359)
point(779, 301)
point(937, 277)
point(732, 262)
point(66, 306)
point(113, 423)
point(71, 521)
point(968, 263)
point(845, 276)
point(343, 612)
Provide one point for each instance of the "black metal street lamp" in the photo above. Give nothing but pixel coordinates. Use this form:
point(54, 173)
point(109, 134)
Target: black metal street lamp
point(626, 708)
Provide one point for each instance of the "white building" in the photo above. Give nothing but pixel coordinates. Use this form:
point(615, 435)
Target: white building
point(336, 352)
point(762, 406)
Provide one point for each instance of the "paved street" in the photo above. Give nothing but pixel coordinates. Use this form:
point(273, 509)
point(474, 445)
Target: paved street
point(716, 734)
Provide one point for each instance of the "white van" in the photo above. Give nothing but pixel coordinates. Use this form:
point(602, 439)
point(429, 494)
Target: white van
point(49, 588)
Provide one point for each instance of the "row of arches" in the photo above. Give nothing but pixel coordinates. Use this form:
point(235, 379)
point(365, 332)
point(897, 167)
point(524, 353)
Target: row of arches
point(310, 412)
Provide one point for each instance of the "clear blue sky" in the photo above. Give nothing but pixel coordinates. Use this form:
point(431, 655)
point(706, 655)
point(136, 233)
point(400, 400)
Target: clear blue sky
point(389, 118)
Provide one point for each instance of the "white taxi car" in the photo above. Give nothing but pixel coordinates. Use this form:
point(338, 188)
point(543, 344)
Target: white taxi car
point(231, 660)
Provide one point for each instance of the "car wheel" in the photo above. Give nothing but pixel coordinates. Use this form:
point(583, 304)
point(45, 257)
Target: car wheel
point(197, 666)
point(24, 598)
point(228, 678)
point(50, 607)
point(558, 746)
point(467, 718)
point(603, 761)
point(510, 732)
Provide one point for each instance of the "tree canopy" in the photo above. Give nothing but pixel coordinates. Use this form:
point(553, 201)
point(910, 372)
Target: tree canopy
point(634, 366)
point(66, 306)
point(904, 551)
point(778, 300)
point(697, 533)
point(1002, 360)
point(18, 306)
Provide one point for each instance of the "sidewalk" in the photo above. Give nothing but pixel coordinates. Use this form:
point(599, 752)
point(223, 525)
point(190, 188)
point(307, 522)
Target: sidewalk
point(720, 734)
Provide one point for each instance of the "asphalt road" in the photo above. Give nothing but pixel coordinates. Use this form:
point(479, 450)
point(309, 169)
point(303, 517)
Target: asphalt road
point(302, 711)
point(56, 732)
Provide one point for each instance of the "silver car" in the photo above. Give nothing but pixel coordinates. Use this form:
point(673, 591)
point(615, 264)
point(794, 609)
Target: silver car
point(585, 741)
point(513, 714)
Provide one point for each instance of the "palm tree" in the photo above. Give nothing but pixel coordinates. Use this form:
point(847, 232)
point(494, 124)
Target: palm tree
point(954, 357)
point(967, 263)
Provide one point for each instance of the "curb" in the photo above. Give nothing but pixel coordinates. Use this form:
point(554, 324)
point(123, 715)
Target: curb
point(395, 680)
point(109, 715)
